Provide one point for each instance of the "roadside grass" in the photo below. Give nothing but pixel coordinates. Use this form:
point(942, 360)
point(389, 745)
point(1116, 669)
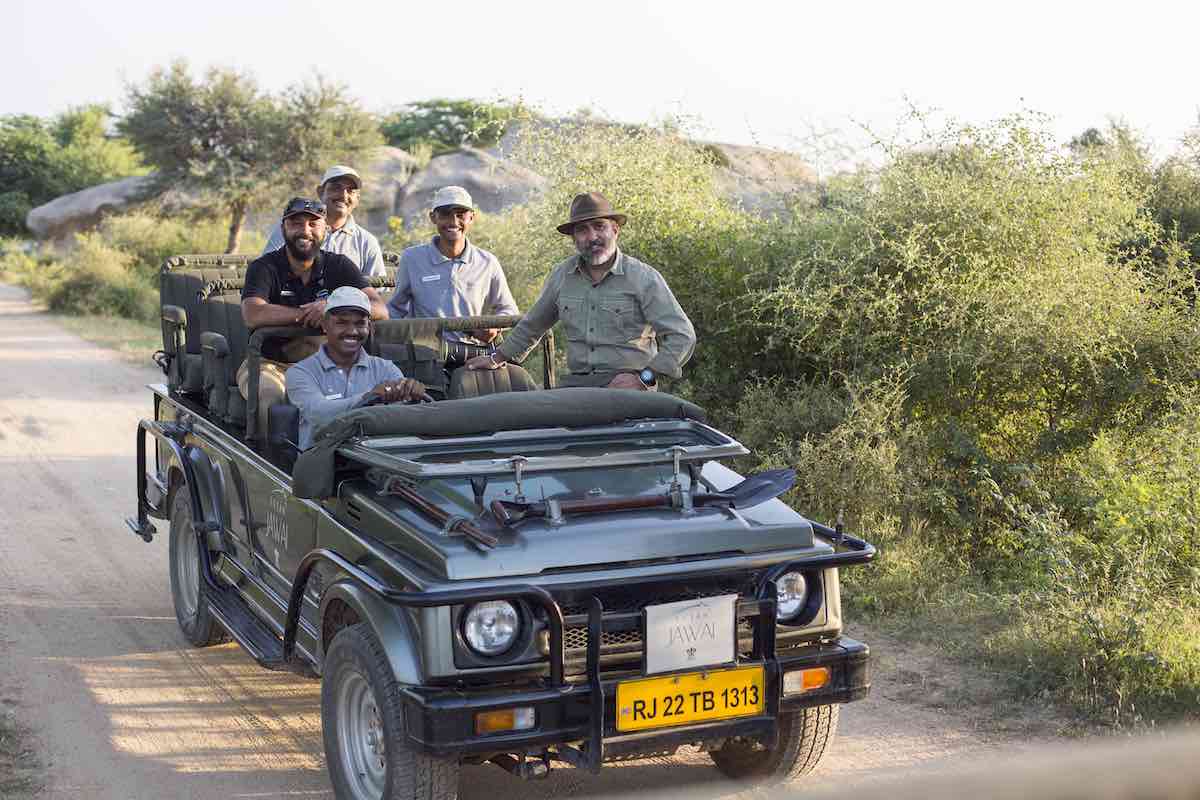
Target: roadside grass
point(19, 765)
point(134, 340)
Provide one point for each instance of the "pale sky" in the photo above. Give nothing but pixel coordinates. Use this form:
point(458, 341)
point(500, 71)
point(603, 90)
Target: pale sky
point(751, 72)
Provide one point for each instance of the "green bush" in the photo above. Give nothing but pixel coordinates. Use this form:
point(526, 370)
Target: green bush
point(101, 279)
point(114, 270)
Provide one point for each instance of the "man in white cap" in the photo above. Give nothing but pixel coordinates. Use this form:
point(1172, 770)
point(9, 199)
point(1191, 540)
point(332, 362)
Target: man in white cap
point(448, 276)
point(341, 375)
point(340, 190)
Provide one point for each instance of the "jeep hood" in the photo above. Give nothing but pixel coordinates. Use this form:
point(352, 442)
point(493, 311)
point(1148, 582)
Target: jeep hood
point(536, 546)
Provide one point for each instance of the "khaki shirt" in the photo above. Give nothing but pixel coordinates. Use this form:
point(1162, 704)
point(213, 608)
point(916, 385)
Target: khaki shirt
point(627, 322)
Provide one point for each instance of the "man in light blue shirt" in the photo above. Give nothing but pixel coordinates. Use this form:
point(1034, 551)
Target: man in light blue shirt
point(341, 375)
point(339, 190)
point(449, 276)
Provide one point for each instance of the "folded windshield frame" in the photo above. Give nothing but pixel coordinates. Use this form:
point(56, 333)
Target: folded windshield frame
point(628, 444)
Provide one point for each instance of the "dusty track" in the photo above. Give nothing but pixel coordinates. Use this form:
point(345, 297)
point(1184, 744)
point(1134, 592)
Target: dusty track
point(92, 661)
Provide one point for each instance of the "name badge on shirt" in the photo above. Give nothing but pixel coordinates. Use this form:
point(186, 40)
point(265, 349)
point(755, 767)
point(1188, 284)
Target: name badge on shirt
point(428, 278)
point(337, 396)
point(286, 293)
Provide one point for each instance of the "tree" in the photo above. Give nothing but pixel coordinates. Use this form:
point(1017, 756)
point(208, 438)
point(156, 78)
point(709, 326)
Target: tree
point(225, 137)
point(445, 125)
point(41, 159)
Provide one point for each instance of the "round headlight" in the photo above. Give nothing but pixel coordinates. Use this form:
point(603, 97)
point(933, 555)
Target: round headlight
point(791, 594)
point(491, 628)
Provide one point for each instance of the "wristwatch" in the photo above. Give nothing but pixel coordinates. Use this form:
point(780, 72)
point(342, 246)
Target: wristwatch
point(647, 377)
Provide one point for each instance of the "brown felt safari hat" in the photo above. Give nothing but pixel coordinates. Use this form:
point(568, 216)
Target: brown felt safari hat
point(592, 205)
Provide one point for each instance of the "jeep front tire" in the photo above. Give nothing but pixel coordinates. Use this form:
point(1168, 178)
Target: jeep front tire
point(362, 717)
point(803, 737)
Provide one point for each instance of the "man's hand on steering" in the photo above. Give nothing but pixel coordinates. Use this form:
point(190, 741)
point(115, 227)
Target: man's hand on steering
point(626, 380)
point(401, 391)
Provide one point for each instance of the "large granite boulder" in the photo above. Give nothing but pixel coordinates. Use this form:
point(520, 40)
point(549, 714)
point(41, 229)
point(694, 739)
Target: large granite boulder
point(761, 180)
point(494, 184)
point(385, 173)
point(81, 210)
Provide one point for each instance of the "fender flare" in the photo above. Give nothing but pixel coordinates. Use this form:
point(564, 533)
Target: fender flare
point(390, 622)
point(202, 477)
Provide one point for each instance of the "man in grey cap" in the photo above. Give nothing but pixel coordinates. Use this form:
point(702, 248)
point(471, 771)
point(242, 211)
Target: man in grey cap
point(624, 326)
point(341, 375)
point(448, 276)
point(339, 190)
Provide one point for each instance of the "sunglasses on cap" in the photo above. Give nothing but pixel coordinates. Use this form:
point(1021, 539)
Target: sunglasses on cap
point(300, 205)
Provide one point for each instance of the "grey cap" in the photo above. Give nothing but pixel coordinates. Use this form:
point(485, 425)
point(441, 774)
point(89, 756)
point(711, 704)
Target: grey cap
point(455, 196)
point(337, 171)
point(348, 297)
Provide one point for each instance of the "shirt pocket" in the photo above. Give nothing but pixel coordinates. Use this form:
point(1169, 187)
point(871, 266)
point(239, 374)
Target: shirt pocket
point(620, 319)
point(573, 313)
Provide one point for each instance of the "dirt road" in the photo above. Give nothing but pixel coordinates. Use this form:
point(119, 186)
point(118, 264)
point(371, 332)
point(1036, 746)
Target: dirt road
point(92, 661)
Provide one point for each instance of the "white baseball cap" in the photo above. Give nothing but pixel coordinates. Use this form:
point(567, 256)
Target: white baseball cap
point(453, 196)
point(348, 297)
point(337, 171)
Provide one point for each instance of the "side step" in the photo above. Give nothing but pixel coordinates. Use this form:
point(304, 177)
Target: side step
point(143, 528)
point(255, 637)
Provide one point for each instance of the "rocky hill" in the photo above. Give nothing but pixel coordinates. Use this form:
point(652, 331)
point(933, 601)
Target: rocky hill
point(397, 186)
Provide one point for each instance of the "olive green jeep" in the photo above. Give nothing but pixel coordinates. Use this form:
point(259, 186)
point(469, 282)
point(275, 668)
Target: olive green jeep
point(513, 574)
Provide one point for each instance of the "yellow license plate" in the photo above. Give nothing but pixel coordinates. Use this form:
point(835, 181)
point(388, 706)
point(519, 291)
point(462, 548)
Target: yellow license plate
point(690, 698)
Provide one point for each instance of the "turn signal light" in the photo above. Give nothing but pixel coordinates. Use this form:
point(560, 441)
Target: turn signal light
point(508, 719)
point(805, 680)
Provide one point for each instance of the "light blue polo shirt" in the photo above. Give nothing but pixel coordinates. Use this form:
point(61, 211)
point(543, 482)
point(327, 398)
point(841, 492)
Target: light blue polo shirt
point(322, 390)
point(428, 284)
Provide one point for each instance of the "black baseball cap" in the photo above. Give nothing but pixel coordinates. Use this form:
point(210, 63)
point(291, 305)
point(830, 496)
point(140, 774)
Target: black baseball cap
point(302, 205)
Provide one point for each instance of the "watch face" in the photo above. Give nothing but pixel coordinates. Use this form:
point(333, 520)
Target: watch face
point(647, 377)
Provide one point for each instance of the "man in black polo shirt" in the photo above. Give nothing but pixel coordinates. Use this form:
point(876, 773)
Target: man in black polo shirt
point(288, 286)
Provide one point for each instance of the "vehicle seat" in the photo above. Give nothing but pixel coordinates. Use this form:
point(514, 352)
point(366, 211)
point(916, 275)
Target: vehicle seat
point(283, 424)
point(224, 315)
point(184, 313)
point(415, 347)
point(477, 382)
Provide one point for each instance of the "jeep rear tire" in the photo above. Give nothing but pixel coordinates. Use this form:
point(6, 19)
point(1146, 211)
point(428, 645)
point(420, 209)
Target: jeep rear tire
point(187, 585)
point(362, 716)
point(803, 737)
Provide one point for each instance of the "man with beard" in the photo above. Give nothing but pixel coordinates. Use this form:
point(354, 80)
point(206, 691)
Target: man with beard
point(340, 190)
point(289, 286)
point(450, 277)
point(341, 375)
point(624, 327)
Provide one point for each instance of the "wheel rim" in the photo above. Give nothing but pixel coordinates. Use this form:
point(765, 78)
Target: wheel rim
point(187, 565)
point(360, 737)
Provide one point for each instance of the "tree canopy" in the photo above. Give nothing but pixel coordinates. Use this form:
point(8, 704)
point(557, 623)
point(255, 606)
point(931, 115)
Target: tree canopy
point(224, 136)
point(442, 124)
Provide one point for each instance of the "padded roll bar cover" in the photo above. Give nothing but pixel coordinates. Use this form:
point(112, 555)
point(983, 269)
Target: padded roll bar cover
point(480, 382)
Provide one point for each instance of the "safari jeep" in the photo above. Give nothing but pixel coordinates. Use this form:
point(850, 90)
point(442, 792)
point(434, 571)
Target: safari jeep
point(513, 574)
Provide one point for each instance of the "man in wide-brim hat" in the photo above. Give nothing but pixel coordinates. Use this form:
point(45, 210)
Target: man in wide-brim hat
point(624, 327)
